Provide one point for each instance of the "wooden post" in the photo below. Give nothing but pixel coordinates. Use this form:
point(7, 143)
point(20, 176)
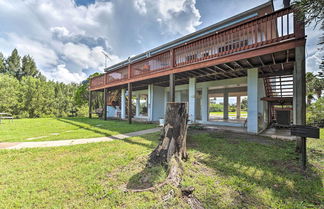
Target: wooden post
point(299, 103)
point(129, 103)
point(238, 107)
point(172, 88)
point(303, 152)
point(90, 104)
point(105, 104)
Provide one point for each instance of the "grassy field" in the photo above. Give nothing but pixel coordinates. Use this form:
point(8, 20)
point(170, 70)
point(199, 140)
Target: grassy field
point(227, 171)
point(45, 129)
point(230, 114)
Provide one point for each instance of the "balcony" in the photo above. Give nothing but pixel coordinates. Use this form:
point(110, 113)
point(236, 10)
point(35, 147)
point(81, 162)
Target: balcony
point(268, 31)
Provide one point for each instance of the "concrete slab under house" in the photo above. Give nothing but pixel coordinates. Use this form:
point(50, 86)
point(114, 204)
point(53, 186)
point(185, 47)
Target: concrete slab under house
point(247, 71)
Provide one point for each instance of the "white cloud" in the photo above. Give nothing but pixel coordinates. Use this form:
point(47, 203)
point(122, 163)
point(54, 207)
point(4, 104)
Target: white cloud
point(65, 38)
point(61, 74)
point(314, 60)
point(314, 52)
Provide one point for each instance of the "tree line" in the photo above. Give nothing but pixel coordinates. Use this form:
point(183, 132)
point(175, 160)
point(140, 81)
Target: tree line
point(25, 92)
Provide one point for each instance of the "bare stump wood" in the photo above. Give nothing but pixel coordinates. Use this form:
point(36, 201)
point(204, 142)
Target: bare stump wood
point(173, 135)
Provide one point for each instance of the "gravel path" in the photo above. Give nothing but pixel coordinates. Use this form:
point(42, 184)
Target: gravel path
point(22, 145)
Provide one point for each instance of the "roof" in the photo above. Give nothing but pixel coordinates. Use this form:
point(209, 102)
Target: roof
point(251, 13)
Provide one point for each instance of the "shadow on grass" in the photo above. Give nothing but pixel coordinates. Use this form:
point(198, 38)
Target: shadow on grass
point(247, 165)
point(147, 178)
point(75, 121)
point(269, 166)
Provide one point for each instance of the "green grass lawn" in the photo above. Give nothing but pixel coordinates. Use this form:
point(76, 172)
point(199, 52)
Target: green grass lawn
point(231, 114)
point(227, 171)
point(45, 129)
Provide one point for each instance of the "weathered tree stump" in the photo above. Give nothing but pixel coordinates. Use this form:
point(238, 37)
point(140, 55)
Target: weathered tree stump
point(173, 135)
point(171, 151)
point(172, 148)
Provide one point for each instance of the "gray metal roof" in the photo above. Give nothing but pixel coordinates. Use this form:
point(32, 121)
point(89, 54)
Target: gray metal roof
point(200, 33)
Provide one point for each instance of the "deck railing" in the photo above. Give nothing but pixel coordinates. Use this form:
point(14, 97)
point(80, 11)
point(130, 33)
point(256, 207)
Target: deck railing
point(153, 64)
point(272, 28)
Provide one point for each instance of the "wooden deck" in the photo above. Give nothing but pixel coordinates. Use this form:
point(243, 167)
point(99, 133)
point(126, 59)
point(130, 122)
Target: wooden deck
point(267, 42)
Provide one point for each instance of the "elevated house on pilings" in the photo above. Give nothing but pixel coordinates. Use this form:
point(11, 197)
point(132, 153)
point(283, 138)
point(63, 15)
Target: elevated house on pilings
point(258, 55)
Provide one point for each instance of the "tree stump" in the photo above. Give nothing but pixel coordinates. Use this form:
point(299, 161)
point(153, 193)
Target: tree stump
point(173, 135)
point(171, 150)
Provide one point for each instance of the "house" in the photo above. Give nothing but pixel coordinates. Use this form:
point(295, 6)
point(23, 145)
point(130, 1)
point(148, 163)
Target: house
point(258, 55)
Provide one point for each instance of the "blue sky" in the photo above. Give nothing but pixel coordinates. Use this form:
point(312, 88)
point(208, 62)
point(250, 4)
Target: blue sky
point(66, 37)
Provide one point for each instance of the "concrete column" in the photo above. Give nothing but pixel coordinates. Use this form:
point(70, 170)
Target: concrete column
point(177, 96)
point(225, 105)
point(204, 104)
point(150, 102)
point(155, 102)
point(238, 107)
point(252, 82)
point(123, 104)
point(192, 99)
point(138, 105)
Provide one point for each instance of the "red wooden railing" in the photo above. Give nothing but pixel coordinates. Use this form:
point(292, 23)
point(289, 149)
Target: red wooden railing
point(265, 30)
point(118, 75)
point(272, 28)
point(97, 81)
point(150, 65)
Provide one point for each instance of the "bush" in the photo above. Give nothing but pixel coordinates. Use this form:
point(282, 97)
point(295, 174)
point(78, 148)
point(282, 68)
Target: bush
point(216, 107)
point(83, 111)
point(315, 113)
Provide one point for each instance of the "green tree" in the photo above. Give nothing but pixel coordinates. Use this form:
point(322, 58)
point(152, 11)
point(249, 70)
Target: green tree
point(314, 86)
point(37, 97)
point(82, 95)
point(13, 63)
point(9, 94)
point(315, 113)
point(244, 104)
point(29, 67)
point(2, 64)
point(310, 10)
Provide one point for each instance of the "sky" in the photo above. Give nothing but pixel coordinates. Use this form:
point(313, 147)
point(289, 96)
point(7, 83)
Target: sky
point(66, 37)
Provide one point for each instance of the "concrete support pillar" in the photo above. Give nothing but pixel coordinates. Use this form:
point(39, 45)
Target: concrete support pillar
point(123, 104)
point(150, 102)
point(238, 107)
point(177, 96)
point(299, 103)
point(204, 104)
point(225, 105)
point(90, 104)
point(252, 82)
point(138, 106)
point(155, 102)
point(192, 99)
